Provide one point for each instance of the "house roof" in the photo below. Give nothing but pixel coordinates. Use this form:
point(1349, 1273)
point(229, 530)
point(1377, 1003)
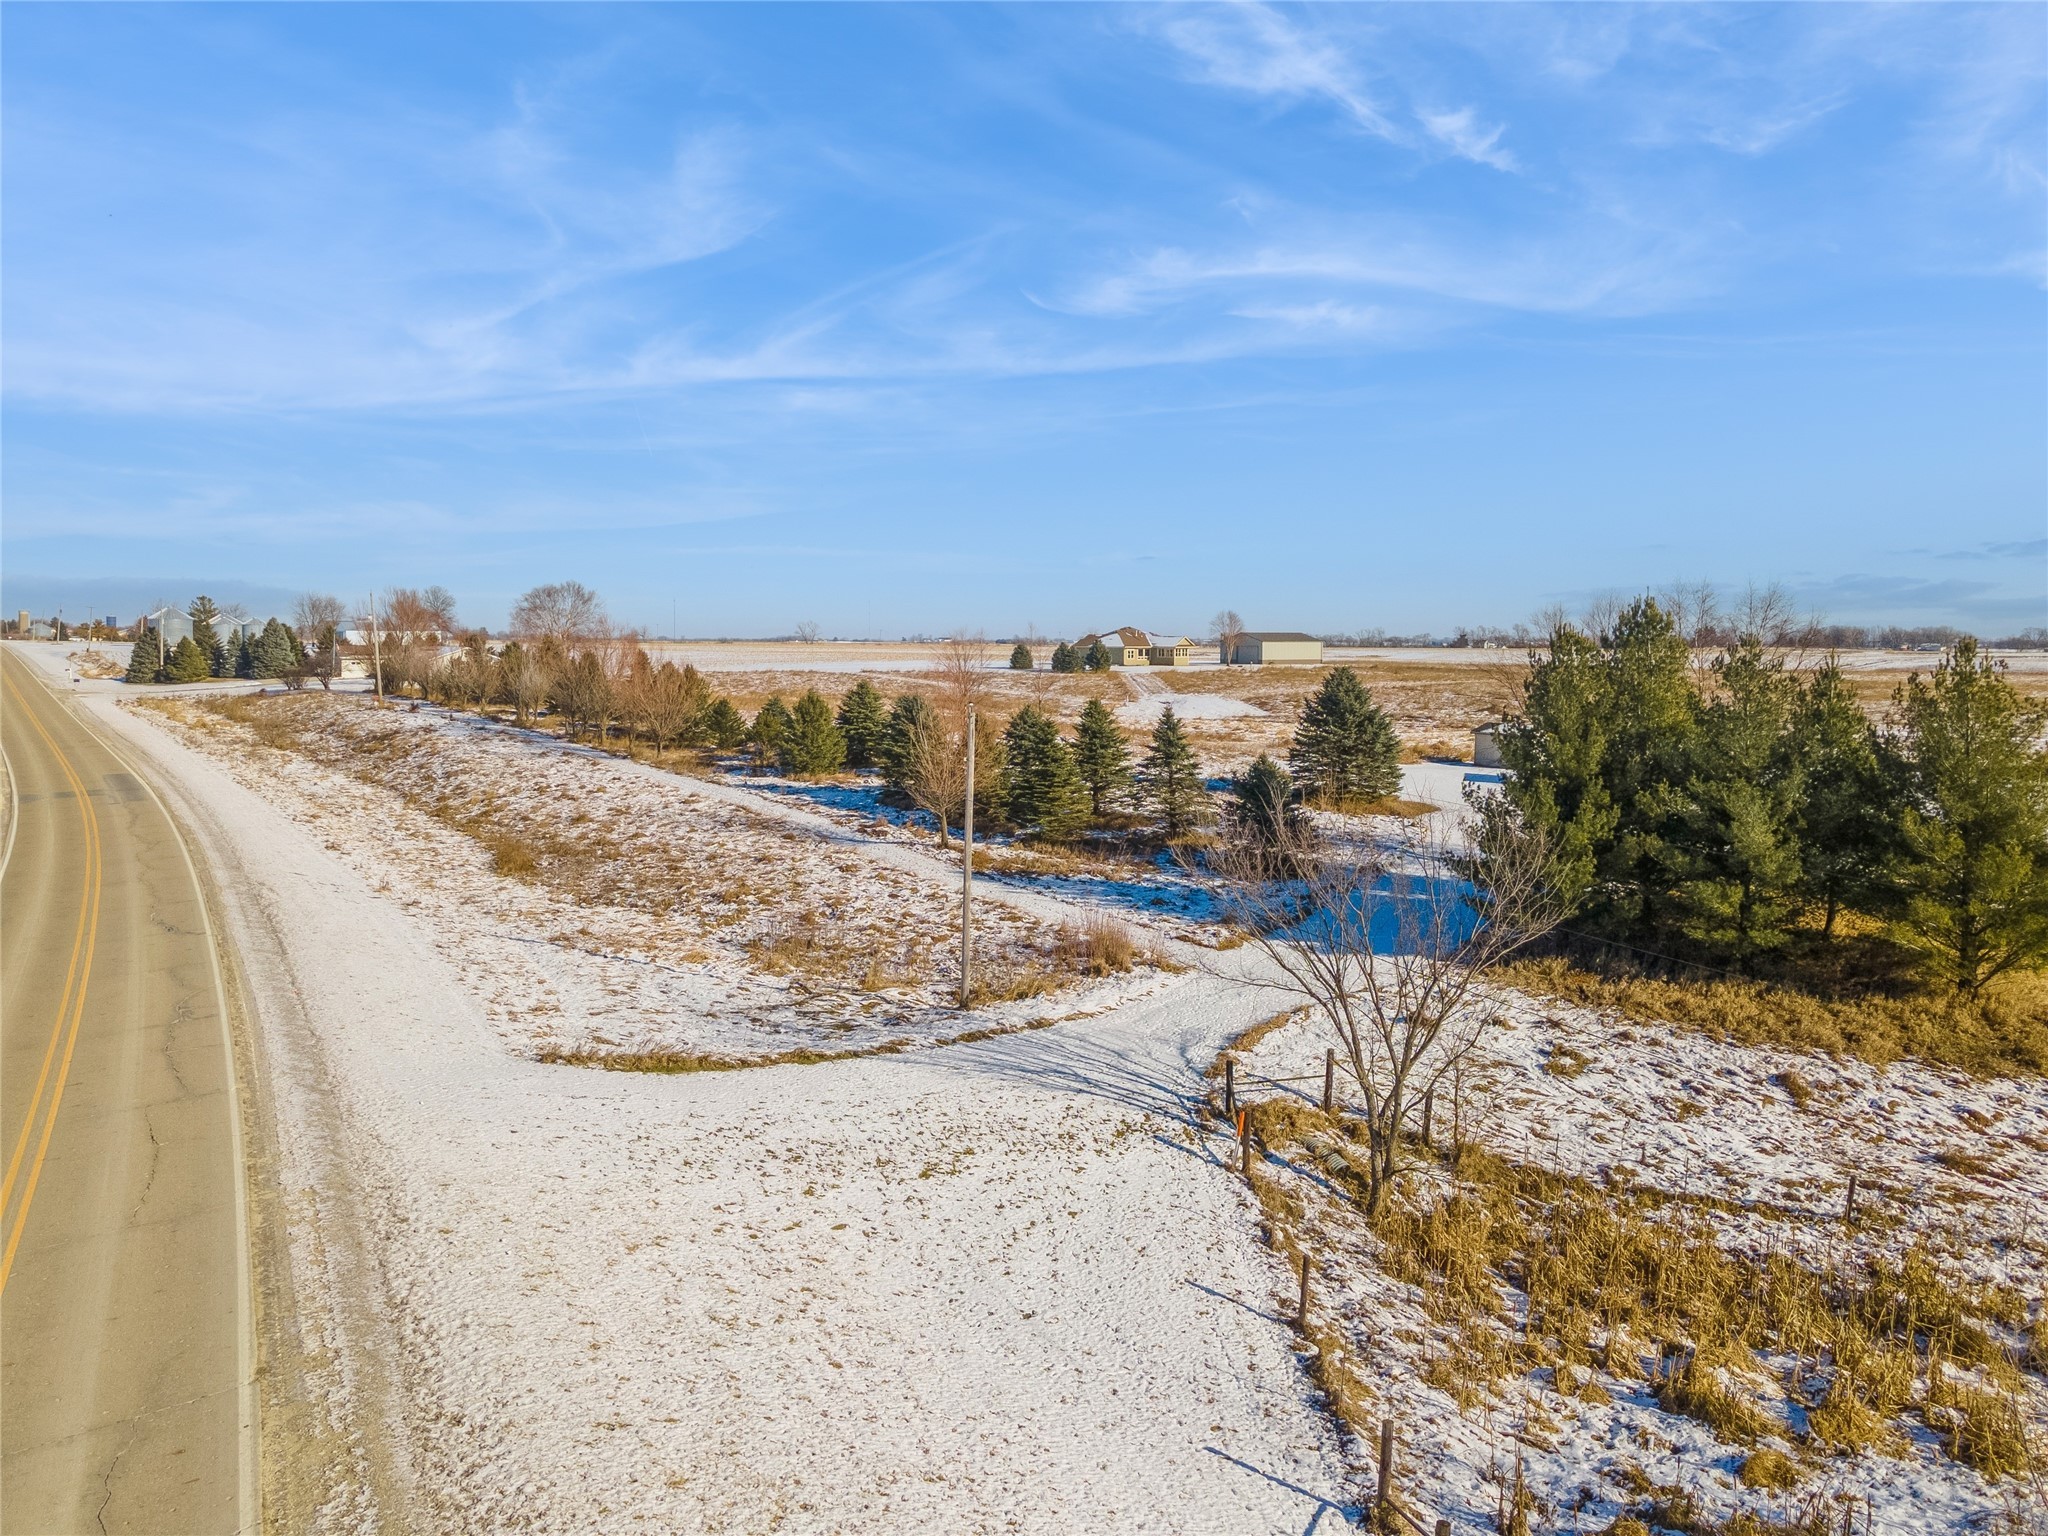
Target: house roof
point(1129, 636)
point(1275, 634)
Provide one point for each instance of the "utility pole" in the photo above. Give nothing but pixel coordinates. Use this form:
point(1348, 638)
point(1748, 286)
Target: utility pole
point(376, 648)
point(967, 873)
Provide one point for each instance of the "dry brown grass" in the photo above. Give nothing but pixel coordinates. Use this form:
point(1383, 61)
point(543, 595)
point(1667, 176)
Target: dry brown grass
point(1384, 805)
point(1771, 1470)
point(1097, 945)
point(673, 1062)
point(1566, 1061)
point(1609, 1275)
point(2002, 1032)
point(744, 882)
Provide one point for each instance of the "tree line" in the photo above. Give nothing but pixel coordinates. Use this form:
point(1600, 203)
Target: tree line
point(1726, 810)
point(272, 651)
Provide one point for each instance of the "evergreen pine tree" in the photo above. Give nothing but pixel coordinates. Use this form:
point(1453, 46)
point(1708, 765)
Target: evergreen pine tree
point(273, 652)
point(1729, 846)
point(894, 754)
point(1848, 814)
point(1100, 755)
point(1345, 748)
point(188, 663)
point(1065, 658)
point(1557, 751)
point(219, 662)
point(1653, 721)
point(1045, 789)
point(814, 745)
point(724, 726)
point(1974, 876)
point(991, 774)
point(245, 658)
point(142, 660)
point(1263, 811)
point(1020, 658)
point(770, 730)
point(1171, 779)
point(863, 721)
point(1097, 659)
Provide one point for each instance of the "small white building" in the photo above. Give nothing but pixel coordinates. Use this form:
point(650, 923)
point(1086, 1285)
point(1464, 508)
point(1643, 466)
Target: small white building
point(1272, 647)
point(1486, 745)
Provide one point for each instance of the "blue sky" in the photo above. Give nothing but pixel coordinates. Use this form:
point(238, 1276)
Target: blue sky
point(913, 318)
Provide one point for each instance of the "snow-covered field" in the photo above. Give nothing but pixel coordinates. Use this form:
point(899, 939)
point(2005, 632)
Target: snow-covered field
point(1004, 1285)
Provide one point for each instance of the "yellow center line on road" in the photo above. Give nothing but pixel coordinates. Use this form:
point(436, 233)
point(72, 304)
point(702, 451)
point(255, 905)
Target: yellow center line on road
point(84, 945)
point(64, 1002)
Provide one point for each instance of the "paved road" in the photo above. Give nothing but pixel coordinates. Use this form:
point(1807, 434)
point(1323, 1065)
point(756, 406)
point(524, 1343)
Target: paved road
point(123, 1314)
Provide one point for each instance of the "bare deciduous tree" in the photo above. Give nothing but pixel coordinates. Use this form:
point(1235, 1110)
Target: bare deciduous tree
point(472, 677)
point(1228, 629)
point(963, 680)
point(525, 676)
point(317, 618)
point(1387, 942)
point(566, 612)
point(667, 704)
point(587, 693)
point(936, 759)
point(807, 632)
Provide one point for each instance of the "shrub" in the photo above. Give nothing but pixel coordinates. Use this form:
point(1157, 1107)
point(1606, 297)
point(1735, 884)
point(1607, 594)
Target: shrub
point(1020, 658)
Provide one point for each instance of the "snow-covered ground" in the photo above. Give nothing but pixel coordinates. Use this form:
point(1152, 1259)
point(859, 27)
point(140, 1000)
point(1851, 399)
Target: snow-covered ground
point(667, 914)
point(998, 1287)
point(1006, 1285)
point(1759, 1143)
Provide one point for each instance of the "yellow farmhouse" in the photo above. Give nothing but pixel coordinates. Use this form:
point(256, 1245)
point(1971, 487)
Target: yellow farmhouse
point(1130, 647)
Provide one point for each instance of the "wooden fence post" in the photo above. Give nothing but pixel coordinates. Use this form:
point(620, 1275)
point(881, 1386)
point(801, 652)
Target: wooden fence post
point(1428, 1116)
point(1329, 1081)
point(1849, 1204)
point(1383, 1505)
point(1229, 1088)
point(1301, 1307)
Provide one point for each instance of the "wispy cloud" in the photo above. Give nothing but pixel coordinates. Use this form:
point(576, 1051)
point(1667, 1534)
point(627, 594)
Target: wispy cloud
point(1252, 48)
point(1608, 271)
point(1462, 133)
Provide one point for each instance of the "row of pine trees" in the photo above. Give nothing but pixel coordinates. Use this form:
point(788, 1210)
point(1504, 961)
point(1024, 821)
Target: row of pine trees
point(272, 651)
point(1729, 810)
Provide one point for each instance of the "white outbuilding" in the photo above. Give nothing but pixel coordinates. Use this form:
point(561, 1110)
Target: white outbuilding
point(1486, 745)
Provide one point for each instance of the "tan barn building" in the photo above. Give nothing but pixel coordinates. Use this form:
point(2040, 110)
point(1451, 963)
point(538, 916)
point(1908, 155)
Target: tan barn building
point(1130, 647)
point(1269, 647)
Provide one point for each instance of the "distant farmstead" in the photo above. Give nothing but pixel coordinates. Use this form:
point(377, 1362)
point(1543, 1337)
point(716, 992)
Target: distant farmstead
point(1263, 647)
point(1130, 647)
